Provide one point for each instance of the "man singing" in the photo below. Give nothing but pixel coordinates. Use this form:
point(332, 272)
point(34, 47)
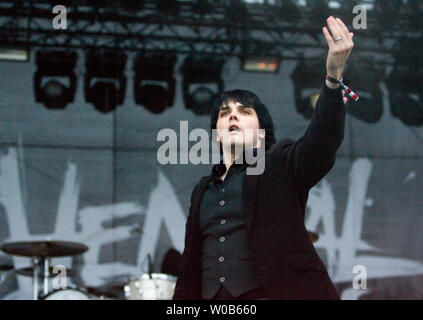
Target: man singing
point(245, 234)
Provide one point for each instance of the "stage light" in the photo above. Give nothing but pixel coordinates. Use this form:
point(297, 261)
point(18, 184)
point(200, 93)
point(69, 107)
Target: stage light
point(14, 54)
point(54, 68)
point(154, 82)
point(308, 78)
point(365, 79)
point(200, 73)
point(405, 81)
point(261, 64)
point(105, 82)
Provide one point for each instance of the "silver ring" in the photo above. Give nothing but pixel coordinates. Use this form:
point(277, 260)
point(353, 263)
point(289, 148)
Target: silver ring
point(337, 39)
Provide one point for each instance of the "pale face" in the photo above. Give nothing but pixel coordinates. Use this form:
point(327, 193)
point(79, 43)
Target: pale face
point(238, 124)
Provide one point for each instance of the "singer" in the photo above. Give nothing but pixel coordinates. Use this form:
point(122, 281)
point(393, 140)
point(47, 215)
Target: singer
point(245, 234)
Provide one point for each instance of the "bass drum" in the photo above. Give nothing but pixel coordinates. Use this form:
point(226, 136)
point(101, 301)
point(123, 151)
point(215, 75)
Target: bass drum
point(157, 287)
point(68, 294)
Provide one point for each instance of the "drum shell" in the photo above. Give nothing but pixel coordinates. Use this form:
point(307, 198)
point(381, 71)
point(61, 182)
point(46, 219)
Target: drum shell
point(69, 294)
point(158, 287)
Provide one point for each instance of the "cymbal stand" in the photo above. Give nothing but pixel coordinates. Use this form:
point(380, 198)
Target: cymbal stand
point(41, 267)
point(36, 261)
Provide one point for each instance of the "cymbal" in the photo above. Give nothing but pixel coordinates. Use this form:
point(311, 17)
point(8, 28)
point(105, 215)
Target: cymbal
point(44, 249)
point(313, 236)
point(29, 272)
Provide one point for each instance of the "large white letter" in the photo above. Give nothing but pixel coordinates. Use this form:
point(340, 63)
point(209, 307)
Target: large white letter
point(60, 21)
point(170, 145)
point(360, 21)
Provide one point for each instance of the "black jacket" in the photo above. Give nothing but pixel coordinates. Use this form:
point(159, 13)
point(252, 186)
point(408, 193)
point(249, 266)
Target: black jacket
point(274, 205)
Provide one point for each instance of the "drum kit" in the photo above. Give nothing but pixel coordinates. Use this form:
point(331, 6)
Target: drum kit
point(151, 286)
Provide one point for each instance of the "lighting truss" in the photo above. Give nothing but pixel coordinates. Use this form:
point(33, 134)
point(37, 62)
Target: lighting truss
point(133, 25)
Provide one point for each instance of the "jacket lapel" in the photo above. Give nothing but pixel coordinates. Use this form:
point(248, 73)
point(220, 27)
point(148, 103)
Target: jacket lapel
point(196, 201)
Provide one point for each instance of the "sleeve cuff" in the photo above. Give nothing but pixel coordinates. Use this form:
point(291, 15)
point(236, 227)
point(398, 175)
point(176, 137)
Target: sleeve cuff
point(333, 94)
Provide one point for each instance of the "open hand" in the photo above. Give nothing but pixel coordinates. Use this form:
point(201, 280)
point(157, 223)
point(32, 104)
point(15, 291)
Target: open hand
point(340, 45)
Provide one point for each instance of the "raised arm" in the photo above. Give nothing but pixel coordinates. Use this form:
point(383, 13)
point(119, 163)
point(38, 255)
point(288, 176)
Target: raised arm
point(313, 155)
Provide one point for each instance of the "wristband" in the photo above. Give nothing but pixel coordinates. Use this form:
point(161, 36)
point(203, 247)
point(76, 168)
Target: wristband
point(346, 91)
point(333, 80)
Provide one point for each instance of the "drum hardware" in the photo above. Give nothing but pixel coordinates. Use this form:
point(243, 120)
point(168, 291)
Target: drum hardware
point(29, 272)
point(40, 253)
point(6, 271)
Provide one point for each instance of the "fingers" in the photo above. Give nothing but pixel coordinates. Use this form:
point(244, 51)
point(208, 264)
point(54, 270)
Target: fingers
point(328, 37)
point(338, 30)
point(342, 27)
point(335, 30)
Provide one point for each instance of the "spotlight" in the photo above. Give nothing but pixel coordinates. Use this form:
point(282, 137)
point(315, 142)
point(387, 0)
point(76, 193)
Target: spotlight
point(405, 82)
point(199, 74)
point(308, 77)
point(105, 82)
point(14, 54)
point(365, 79)
point(154, 83)
point(54, 68)
point(261, 64)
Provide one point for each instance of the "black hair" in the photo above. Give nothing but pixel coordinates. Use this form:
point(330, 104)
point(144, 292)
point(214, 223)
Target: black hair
point(248, 99)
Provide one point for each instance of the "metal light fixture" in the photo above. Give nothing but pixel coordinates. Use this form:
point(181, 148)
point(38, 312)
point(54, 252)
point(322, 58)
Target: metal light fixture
point(308, 77)
point(54, 69)
point(105, 82)
point(201, 72)
point(266, 64)
point(154, 82)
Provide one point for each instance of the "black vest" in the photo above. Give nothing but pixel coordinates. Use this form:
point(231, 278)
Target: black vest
point(226, 256)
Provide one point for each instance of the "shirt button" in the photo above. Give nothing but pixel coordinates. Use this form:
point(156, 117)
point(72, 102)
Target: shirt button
point(223, 190)
point(221, 259)
point(221, 239)
point(222, 279)
point(223, 221)
point(222, 202)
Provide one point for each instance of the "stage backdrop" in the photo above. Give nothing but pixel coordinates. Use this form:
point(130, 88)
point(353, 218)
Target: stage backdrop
point(93, 178)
